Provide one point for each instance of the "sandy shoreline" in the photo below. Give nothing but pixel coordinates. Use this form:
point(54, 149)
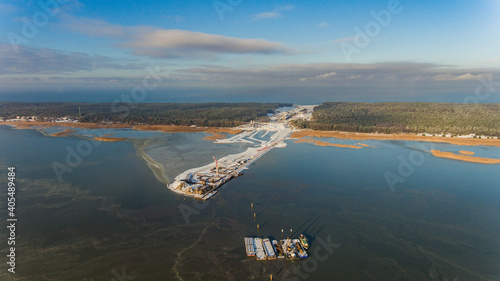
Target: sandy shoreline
point(216, 133)
point(162, 128)
point(324, 143)
point(109, 139)
point(367, 136)
point(63, 133)
point(451, 155)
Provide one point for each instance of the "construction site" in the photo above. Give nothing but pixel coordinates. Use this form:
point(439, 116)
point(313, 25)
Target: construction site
point(203, 182)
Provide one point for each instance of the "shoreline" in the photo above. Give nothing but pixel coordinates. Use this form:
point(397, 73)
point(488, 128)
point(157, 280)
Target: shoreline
point(371, 136)
point(216, 132)
point(139, 127)
point(108, 139)
point(203, 182)
point(474, 159)
point(324, 143)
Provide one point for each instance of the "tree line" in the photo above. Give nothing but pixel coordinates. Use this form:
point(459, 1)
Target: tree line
point(406, 117)
point(199, 114)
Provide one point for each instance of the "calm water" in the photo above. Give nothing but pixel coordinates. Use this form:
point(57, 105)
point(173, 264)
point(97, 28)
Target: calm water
point(295, 94)
point(110, 216)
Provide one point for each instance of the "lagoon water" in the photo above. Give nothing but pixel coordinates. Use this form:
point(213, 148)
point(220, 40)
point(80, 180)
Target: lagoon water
point(111, 217)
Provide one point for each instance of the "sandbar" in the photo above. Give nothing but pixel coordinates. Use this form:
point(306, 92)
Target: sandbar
point(63, 133)
point(324, 143)
point(466, 152)
point(451, 155)
point(368, 136)
point(103, 138)
point(215, 133)
point(140, 127)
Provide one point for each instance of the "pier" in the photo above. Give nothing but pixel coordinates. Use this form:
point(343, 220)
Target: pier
point(203, 182)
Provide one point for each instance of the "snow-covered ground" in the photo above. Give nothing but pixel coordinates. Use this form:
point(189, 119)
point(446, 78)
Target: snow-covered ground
point(278, 131)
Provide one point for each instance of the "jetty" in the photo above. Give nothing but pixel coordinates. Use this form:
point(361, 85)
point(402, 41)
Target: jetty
point(203, 182)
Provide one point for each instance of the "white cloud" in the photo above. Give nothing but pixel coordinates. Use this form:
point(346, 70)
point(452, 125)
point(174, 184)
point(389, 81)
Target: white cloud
point(29, 60)
point(266, 15)
point(275, 13)
point(320, 77)
point(461, 77)
point(170, 43)
point(176, 43)
point(323, 24)
point(285, 8)
point(344, 39)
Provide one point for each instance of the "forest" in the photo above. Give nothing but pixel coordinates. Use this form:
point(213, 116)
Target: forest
point(406, 117)
point(199, 114)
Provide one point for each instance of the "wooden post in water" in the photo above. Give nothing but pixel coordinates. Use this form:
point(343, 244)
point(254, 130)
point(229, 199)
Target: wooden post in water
point(251, 205)
point(257, 228)
point(253, 216)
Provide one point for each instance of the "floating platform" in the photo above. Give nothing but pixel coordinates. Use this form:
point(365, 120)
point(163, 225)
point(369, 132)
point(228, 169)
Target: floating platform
point(250, 247)
point(259, 249)
point(271, 255)
point(265, 249)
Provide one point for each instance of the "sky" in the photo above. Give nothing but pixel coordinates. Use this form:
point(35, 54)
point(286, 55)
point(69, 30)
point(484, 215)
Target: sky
point(426, 46)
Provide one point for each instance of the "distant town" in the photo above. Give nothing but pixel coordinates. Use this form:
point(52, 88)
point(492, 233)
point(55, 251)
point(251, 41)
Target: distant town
point(37, 119)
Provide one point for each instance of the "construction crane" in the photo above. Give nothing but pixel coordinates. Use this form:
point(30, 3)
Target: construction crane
point(216, 167)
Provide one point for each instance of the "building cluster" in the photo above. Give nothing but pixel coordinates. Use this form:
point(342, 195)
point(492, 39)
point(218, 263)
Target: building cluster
point(204, 181)
point(36, 118)
point(21, 118)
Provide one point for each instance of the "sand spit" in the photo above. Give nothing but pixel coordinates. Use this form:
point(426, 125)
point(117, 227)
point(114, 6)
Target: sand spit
point(324, 143)
point(109, 139)
point(362, 144)
point(366, 136)
point(466, 152)
point(156, 167)
point(216, 133)
point(142, 127)
point(63, 133)
point(214, 136)
point(451, 155)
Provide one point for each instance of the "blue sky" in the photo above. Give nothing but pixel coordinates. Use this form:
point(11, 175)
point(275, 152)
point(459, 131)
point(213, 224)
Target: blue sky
point(445, 44)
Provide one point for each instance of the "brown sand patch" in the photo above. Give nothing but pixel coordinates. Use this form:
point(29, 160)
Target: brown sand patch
point(451, 155)
point(63, 133)
point(362, 144)
point(142, 127)
point(466, 152)
point(22, 124)
point(224, 130)
point(108, 139)
point(366, 136)
point(324, 143)
point(216, 133)
point(167, 128)
point(214, 136)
